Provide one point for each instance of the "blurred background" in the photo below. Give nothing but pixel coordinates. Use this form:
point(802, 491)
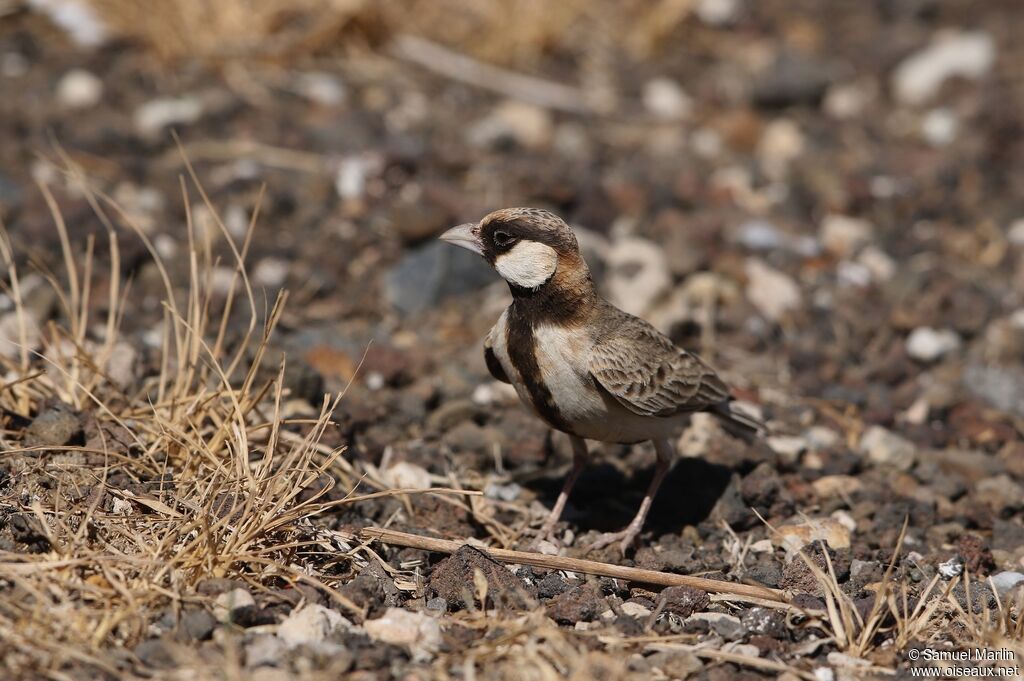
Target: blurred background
point(823, 197)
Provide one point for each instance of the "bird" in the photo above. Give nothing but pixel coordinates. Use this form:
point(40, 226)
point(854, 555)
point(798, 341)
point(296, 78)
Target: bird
point(582, 365)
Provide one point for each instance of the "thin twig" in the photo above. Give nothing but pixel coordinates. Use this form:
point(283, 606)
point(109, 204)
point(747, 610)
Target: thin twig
point(741, 592)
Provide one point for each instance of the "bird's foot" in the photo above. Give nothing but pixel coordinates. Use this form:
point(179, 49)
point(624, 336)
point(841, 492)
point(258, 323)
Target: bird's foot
point(546, 541)
point(625, 537)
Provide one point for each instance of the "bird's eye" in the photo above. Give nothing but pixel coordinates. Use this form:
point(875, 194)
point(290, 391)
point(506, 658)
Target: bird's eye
point(502, 239)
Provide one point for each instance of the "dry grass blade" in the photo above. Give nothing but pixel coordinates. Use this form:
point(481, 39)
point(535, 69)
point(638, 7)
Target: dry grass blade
point(213, 481)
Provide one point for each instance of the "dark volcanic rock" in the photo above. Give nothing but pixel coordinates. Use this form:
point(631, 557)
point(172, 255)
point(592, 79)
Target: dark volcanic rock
point(684, 600)
point(453, 580)
point(581, 603)
point(976, 555)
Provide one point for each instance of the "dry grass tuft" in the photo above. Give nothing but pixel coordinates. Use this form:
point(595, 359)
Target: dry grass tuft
point(502, 31)
point(201, 472)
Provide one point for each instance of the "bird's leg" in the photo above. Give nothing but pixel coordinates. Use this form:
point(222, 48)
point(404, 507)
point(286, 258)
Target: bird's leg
point(579, 460)
point(665, 451)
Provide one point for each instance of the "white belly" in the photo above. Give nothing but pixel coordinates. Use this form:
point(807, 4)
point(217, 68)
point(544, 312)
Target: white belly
point(562, 356)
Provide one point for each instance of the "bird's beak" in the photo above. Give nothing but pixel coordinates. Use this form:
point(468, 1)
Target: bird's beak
point(467, 236)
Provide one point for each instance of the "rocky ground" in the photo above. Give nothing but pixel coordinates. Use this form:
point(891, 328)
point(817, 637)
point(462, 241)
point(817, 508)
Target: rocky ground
point(823, 199)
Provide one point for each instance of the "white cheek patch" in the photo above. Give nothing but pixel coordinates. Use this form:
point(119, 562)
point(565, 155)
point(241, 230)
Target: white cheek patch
point(528, 265)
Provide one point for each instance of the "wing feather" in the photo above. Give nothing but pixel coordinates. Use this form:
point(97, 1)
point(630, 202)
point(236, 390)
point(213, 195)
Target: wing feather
point(650, 376)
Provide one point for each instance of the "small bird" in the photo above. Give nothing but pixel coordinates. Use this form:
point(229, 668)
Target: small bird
point(582, 365)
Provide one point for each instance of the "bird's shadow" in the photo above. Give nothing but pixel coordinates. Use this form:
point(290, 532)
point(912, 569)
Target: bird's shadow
point(604, 499)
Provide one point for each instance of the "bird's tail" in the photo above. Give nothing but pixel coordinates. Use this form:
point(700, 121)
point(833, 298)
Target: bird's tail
point(738, 422)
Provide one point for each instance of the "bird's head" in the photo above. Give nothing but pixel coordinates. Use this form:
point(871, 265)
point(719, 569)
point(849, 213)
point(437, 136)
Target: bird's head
point(527, 247)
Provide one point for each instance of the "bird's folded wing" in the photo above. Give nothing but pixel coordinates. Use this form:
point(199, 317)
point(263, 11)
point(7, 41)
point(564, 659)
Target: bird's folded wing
point(650, 376)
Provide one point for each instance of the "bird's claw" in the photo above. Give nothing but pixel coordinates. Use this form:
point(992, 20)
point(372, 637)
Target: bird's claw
point(627, 537)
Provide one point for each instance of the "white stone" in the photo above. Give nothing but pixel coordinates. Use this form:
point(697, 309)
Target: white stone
point(939, 127)
point(638, 274)
point(719, 13)
point(264, 650)
point(310, 624)
point(635, 610)
point(270, 272)
point(845, 101)
point(919, 77)
point(1005, 581)
point(760, 235)
point(152, 117)
point(420, 632)
point(122, 364)
point(879, 264)
point(77, 17)
point(230, 601)
point(321, 88)
point(1015, 233)
point(886, 448)
point(927, 344)
point(788, 447)
point(405, 475)
point(665, 99)
point(780, 145)
point(79, 89)
point(772, 292)
point(843, 235)
point(509, 492)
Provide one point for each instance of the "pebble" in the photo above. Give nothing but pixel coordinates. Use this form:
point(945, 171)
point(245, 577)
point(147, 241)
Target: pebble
point(230, 602)
point(926, 344)
point(719, 13)
point(321, 88)
point(766, 622)
point(152, 117)
point(843, 235)
point(881, 266)
point(12, 325)
point(420, 632)
point(526, 125)
point(264, 650)
point(198, 624)
point(310, 624)
point(405, 475)
point(939, 127)
point(635, 610)
point(1015, 232)
point(919, 77)
point(795, 537)
point(270, 272)
point(155, 653)
point(829, 486)
point(780, 145)
point(760, 235)
point(954, 567)
point(665, 99)
point(788, 447)
point(123, 364)
point(434, 271)
point(509, 492)
point(1000, 492)
point(638, 274)
point(54, 427)
point(728, 627)
point(1002, 387)
point(772, 292)
point(79, 89)
point(1005, 581)
point(792, 80)
point(886, 448)
point(77, 18)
